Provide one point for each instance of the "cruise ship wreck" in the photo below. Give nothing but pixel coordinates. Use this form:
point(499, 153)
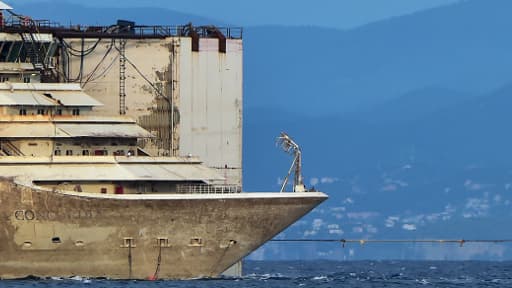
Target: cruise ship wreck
point(104, 190)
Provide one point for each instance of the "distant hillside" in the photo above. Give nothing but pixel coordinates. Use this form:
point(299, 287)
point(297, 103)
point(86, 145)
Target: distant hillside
point(444, 174)
point(475, 131)
point(461, 47)
point(413, 106)
point(67, 13)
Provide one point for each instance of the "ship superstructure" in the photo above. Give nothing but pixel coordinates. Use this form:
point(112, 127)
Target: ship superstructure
point(90, 193)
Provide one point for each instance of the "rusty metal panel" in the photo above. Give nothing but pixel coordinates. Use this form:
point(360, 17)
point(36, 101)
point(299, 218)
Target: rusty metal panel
point(191, 101)
point(148, 89)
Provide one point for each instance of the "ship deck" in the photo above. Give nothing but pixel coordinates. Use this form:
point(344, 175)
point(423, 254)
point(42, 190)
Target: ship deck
point(224, 196)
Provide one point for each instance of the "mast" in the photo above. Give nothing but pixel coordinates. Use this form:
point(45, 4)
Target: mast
point(290, 147)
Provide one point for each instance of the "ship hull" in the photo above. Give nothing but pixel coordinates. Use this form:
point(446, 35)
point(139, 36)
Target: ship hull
point(61, 234)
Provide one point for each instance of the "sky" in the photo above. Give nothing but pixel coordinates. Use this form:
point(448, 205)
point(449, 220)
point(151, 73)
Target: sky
point(339, 14)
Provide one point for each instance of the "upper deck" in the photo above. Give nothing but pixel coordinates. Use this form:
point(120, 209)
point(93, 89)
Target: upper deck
point(182, 84)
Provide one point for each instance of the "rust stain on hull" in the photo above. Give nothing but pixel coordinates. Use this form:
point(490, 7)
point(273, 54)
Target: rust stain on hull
point(57, 234)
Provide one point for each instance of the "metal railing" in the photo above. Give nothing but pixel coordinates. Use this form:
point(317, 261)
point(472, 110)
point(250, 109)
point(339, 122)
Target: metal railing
point(207, 189)
point(9, 149)
point(18, 22)
point(15, 24)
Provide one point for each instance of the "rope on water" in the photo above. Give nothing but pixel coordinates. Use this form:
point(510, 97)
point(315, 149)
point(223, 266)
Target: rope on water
point(461, 242)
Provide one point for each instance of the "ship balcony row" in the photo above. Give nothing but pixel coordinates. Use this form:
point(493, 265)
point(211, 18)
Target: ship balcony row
point(38, 111)
point(136, 187)
point(70, 147)
point(44, 98)
point(116, 174)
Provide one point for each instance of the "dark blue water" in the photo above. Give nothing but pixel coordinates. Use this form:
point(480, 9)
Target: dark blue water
point(319, 274)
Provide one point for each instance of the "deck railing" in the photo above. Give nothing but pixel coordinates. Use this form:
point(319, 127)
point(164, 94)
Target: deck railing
point(18, 25)
point(207, 189)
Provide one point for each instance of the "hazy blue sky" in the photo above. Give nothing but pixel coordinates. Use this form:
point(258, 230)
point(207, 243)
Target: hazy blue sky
point(327, 13)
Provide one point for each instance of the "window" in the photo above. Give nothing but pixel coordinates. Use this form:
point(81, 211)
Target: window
point(196, 241)
point(75, 112)
point(162, 242)
point(85, 152)
point(57, 153)
point(58, 112)
point(119, 190)
point(23, 111)
point(103, 190)
point(4, 79)
point(26, 79)
point(142, 188)
point(40, 111)
point(69, 152)
point(128, 242)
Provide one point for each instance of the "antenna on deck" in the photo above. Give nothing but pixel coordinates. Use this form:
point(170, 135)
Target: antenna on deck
point(289, 146)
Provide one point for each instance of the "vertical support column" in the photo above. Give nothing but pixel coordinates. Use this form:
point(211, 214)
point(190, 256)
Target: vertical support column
point(122, 77)
point(175, 96)
point(128, 242)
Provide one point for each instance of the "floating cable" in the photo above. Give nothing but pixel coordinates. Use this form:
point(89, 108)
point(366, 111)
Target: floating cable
point(81, 53)
point(461, 242)
point(90, 77)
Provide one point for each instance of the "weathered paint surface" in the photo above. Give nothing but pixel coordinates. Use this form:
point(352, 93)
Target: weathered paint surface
point(190, 100)
point(211, 121)
point(45, 232)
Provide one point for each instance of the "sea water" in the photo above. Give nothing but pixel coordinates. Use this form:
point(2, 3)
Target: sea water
point(319, 274)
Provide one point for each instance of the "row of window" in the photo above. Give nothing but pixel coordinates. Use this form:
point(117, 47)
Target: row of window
point(5, 79)
point(75, 112)
point(86, 152)
point(131, 143)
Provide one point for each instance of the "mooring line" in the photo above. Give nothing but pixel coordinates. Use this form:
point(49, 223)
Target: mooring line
point(158, 263)
point(461, 242)
point(130, 260)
